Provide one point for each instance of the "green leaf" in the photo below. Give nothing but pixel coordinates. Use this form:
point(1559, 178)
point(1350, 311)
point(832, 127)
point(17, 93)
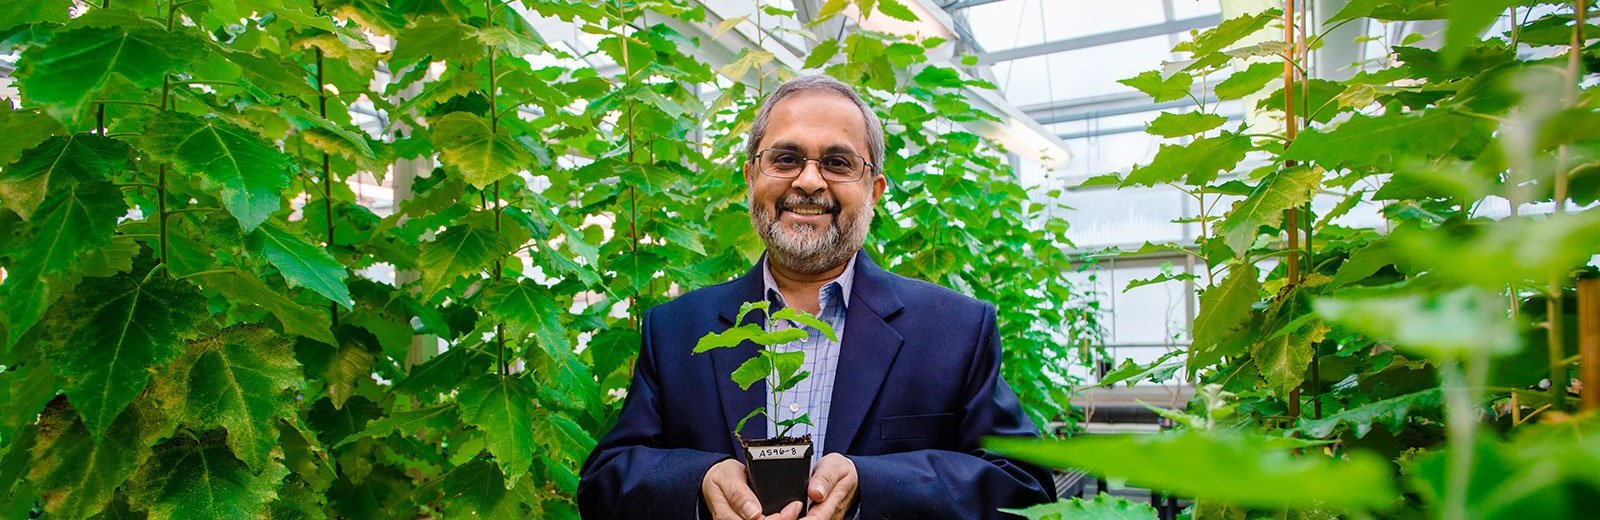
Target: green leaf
point(502, 406)
point(433, 418)
point(347, 366)
point(754, 369)
point(728, 25)
point(526, 307)
point(1228, 32)
point(13, 14)
point(1101, 507)
point(72, 220)
point(478, 489)
point(79, 60)
point(1161, 89)
point(1468, 19)
point(243, 289)
point(824, 51)
point(1441, 326)
point(1224, 308)
point(199, 478)
point(1179, 124)
point(728, 338)
point(1156, 371)
point(1391, 10)
point(302, 263)
point(1264, 206)
point(1197, 163)
point(829, 10)
point(236, 379)
point(113, 332)
point(24, 129)
point(1283, 359)
point(59, 160)
point(1392, 413)
point(327, 135)
point(896, 10)
point(444, 371)
point(779, 337)
point(1244, 470)
point(443, 38)
point(789, 313)
point(251, 172)
point(469, 247)
point(562, 439)
point(467, 144)
point(77, 474)
point(1250, 80)
point(1379, 140)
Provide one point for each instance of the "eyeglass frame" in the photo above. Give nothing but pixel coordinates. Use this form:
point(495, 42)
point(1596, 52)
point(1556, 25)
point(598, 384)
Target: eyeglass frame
point(866, 166)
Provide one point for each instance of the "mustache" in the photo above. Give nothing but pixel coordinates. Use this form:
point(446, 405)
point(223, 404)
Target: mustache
point(826, 203)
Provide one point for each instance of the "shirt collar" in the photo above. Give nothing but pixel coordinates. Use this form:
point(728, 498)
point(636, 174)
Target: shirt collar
point(845, 280)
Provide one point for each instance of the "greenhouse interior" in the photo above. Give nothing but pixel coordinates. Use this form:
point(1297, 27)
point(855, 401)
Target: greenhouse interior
point(532, 259)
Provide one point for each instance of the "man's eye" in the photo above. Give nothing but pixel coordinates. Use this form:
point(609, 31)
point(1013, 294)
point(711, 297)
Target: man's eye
point(837, 163)
point(785, 159)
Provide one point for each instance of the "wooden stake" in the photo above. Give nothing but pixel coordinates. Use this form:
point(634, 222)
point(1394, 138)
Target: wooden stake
point(1291, 216)
point(1589, 341)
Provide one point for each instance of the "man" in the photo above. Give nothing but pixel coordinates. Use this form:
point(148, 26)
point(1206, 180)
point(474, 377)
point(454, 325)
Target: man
point(899, 404)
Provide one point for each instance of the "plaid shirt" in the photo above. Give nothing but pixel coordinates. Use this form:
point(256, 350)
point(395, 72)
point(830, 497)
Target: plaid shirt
point(814, 395)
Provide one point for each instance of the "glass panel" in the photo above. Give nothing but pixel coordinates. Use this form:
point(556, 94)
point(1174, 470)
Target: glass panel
point(1018, 23)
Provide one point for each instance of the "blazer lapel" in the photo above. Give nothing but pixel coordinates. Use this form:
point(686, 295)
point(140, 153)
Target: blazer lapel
point(866, 352)
point(737, 402)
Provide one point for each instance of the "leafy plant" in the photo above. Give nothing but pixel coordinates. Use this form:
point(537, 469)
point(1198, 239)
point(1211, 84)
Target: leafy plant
point(1428, 342)
point(781, 370)
point(193, 272)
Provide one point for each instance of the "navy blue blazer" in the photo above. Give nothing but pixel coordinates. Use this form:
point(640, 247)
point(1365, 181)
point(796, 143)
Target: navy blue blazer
point(918, 386)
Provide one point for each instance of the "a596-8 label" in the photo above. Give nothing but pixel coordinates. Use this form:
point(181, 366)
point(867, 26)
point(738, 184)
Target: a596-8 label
point(778, 452)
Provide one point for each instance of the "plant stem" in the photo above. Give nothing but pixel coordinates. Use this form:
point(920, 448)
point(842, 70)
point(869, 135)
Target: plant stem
point(161, 179)
point(494, 131)
point(1292, 215)
point(633, 196)
point(327, 176)
point(1557, 280)
point(104, 102)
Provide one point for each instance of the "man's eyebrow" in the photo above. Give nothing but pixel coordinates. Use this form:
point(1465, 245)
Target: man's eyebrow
point(795, 147)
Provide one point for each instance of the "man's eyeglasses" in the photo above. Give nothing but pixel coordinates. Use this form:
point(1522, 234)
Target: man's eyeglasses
point(834, 167)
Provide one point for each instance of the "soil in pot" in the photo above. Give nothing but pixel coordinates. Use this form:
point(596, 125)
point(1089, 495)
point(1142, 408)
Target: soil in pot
point(779, 468)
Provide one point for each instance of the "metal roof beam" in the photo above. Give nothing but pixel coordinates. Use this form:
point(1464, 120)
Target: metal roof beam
point(1118, 111)
point(1095, 40)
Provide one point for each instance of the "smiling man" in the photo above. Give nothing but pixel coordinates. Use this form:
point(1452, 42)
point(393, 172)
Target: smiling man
point(899, 403)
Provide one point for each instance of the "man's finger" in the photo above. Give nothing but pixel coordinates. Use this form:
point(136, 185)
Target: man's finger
point(789, 512)
point(744, 502)
point(822, 481)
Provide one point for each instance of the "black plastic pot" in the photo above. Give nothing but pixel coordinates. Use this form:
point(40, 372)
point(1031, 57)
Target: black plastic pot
point(779, 468)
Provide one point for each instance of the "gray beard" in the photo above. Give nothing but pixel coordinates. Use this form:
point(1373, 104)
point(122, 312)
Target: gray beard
point(805, 250)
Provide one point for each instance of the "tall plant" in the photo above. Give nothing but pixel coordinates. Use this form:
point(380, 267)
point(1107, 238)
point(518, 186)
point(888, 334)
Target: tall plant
point(187, 328)
point(1425, 343)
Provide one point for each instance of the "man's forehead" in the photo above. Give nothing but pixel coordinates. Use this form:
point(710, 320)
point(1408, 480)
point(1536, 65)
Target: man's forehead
point(797, 119)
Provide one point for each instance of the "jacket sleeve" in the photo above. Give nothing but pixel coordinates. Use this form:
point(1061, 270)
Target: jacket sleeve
point(971, 483)
point(630, 474)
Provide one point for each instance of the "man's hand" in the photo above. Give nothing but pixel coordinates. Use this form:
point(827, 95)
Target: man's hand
point(729, 497)
point(832, 488)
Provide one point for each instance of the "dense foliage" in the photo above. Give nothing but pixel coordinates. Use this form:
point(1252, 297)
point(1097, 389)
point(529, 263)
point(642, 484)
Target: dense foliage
point(1411, 367)
point(187, 332)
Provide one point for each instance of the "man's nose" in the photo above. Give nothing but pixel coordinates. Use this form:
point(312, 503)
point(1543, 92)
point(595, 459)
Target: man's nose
point(810, 181)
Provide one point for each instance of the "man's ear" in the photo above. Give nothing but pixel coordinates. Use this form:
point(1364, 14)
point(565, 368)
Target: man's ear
point(749, 168)
point(878, 184)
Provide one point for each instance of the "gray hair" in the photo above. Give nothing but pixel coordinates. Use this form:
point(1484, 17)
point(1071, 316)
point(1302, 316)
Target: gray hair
point(826, 84)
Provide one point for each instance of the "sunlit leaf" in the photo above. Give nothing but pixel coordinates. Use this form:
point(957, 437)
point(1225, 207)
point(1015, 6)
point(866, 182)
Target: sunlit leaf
point(236, 379)
point(1161, 89)
point(1196, 163)
point(302, 263)
point(56, 162)
point(250, 171)
point(502, 406)
point(1264, 206)
point(466, 143)
point(1101, 507)
point(199, 478)
point(1442, 326)
point(1179, 124)
point(103, 43)
point(76, 473)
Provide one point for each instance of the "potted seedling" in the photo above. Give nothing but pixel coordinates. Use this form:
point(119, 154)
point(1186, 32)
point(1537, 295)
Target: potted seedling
point(778, 466)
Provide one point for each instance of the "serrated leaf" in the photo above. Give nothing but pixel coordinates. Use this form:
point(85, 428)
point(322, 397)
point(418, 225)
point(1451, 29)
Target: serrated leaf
point(327, 135)
point(443, 38)
point(1159, 88)
point(349, 364)
point(1179, 124)
point(824, 51)
point(1244, 470)
point(1392, 413)
point(72, 220)
point(244, 289)
point(803, 318)
point(1101, 507)
point(23, 129)
point(1264, 206)
point(79, 60)
point(502, 406)
point(1250, 80)
point(527, 308)
point(467, 144)
point(830, 9)
point(436, 417)
point(77, 474)
point(1228, 32)
point(1468, 19)
point(200, 479)
point(748, 59)
point(1378, 140)
point(236, 380)
point(469, 247)
point(302, 263)
point(444, 371)
point(250, 171)
point(55, 162)
point(1196, 163)
point(113, 332)
point(1443, 327)
point(478, 489)
point(563, 440)
point(897, 10)
point(754, 369)
point(1224, 307)
point(728, 25)
point(13, 14)
point(1283, 360)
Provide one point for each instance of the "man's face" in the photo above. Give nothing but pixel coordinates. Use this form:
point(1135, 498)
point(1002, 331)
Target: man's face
point(811, 225)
